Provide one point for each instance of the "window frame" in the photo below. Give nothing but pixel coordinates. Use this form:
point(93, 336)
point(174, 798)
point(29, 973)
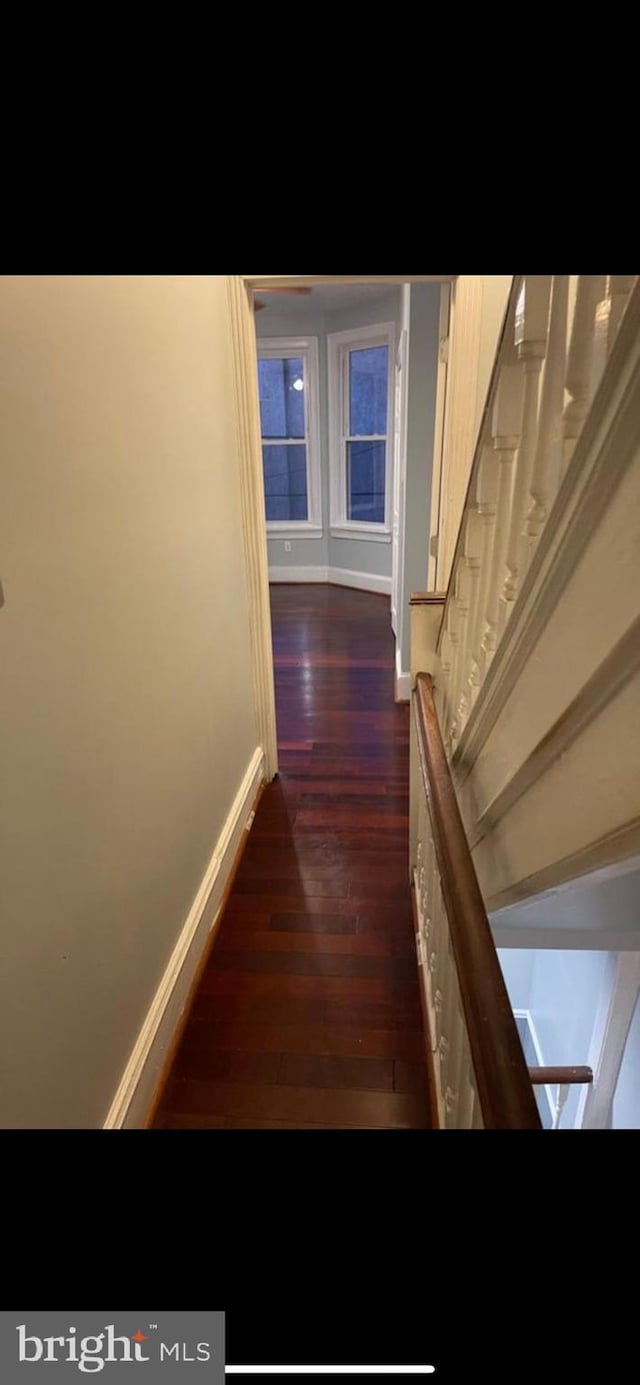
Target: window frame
point(282, 348)
point(339, 345)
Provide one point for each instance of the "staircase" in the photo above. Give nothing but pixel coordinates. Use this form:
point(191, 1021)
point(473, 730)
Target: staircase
point(526, 676)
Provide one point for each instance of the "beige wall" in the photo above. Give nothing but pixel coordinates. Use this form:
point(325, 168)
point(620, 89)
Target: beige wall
point(126, 713)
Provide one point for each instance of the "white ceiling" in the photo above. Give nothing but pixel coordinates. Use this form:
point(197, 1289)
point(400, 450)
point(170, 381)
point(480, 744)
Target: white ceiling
point(606, 901)
point(324, 298)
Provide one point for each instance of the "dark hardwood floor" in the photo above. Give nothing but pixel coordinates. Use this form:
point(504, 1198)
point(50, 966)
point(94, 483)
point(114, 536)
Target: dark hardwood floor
point(308, 1013)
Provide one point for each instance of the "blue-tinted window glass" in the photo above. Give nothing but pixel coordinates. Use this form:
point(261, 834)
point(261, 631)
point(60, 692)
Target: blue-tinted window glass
point(281, 388)
point(285, 482)
point(368, 381)
point(366, 481)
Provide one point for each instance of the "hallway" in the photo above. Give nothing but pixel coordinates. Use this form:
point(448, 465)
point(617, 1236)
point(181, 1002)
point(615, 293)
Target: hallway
point(308, 1013)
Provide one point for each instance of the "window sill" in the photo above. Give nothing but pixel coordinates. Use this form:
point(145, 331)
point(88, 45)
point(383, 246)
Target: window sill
point(372, 533)
point(291, 529)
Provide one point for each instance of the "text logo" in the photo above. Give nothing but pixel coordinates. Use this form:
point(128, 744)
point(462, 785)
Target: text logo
point(168, 1347)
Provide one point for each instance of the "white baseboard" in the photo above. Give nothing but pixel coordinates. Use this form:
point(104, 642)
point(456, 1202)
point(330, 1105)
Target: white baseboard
point(403, 681)
point(341, 576)
point(299, 574)
point(137, 1085)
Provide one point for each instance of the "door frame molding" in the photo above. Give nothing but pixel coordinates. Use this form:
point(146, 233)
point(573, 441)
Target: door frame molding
point(258, 281)
point(608, 1043)
point(254, 532)
point(442, 380)
point(254, 529)
point(399, 482)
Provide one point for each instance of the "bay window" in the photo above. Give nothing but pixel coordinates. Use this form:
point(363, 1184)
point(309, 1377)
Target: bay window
point(288, 391)
point(361, 415)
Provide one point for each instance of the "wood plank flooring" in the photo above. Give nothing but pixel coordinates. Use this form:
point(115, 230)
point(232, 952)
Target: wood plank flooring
point(308, 1014)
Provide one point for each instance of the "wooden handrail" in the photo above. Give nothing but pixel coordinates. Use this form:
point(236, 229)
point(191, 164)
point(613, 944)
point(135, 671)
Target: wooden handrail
point(563, 1077)
point(502, 1078)
point(427, 598)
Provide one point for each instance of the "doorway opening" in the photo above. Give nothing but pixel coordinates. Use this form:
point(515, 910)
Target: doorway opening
point(351, 378)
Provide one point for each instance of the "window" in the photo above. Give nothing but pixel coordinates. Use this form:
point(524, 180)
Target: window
point(361, 414)
point(288, 391)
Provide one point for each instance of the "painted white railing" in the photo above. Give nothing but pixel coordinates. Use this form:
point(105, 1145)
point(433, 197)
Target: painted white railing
point(557, 336)
point(456, 1092)
point(477, 1067)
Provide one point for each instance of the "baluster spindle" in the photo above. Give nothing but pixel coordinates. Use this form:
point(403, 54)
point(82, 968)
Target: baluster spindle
point(620, 286)
point(430, 938)
point(426, 923)
point(448, 1014)
point(600, 338)
point(467, 1096)
point(426, 887)
point(461, 593)
point(419, 881)
point(446, 659)
point(548, 454)
point(591, 289)
point(532, 321)
point(456, 1056)
point(563, 1092)
point(453, 619)
point(438, 960)
point(472, 552)
point(487, 493)
point(506, 423)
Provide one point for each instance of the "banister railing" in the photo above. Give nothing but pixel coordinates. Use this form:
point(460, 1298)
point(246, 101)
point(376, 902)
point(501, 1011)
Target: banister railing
point(478, 1065)
point(563, 1079)
point(560, 1076)
point(557, 335)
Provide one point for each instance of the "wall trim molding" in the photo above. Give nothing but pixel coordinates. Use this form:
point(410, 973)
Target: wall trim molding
point(338, 576)
point(285, 280)
point(609, 678)
point(304, 573)
point(403, 680)
point(531, 938)
point(356, 531)
point(362, 581)
point(618, 845)
point(608, 1044)
point(604, 451)
point(289, 529)
point(253, 527)
point(141, 1075)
